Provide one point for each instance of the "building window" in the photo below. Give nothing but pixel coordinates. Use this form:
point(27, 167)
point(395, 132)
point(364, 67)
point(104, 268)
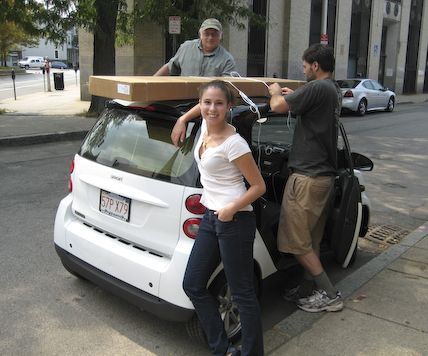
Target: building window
point(359, 39)
point(256, 42)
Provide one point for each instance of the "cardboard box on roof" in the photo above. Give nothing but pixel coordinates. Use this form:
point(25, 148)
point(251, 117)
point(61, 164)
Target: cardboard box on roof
point(149, 88)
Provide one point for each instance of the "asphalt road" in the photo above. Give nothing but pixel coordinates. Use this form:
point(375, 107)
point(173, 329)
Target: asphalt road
point(397, 144)
point(33, 82)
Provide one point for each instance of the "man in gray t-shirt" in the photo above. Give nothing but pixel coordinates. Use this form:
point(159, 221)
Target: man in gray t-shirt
point(310, 187)
point(203, 56)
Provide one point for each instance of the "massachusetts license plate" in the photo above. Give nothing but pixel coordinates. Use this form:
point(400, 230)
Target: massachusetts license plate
point(115, 205)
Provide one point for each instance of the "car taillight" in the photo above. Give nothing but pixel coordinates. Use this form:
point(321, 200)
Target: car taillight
point(70, 185)
point(191, 227)
point(72, 166)
point(70, 181)
point(193, 204)
point(348, 94)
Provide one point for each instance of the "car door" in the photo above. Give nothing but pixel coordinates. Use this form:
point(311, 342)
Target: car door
point(344, 223)
point(371, 94)
point(382, 96)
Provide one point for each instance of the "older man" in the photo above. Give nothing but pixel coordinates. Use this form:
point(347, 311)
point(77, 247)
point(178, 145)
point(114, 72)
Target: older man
point(203, 56)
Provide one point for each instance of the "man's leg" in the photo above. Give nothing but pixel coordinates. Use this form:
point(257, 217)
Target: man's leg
point(326, 298)
point(314, 270)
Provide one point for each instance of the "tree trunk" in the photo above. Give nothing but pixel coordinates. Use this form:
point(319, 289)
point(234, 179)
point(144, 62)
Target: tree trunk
point(104, 43)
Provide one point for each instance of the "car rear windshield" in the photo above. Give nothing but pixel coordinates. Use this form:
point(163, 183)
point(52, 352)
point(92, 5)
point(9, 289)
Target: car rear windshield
point(348, 83)
point(140, 142)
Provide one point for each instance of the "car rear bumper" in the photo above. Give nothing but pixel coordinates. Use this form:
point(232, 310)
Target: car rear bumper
point(349, 104)
point(144, 300)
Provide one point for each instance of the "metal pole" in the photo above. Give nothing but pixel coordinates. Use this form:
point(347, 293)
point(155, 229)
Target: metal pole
point(324, 17)
point(13, 79)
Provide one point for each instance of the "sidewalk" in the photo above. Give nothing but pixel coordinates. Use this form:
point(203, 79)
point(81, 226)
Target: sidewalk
point(386, 300)
point(385, 313)
point(44, 117)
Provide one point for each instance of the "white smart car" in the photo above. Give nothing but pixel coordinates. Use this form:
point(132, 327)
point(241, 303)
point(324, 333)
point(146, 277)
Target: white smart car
point(132, 214)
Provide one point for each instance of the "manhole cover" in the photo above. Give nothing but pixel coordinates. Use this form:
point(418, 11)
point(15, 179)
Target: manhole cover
point(386, 234)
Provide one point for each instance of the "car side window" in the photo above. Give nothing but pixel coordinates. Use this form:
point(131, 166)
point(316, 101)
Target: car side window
point(376, 85)
point(368, 85)
point(278, 129)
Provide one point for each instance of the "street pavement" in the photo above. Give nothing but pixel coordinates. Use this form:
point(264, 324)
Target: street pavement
point(386, 300)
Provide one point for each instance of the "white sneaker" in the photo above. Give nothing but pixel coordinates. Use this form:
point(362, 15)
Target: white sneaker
point(319, 301)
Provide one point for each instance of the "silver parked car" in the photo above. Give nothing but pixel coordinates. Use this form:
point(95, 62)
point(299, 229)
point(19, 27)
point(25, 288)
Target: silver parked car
point(362, 95)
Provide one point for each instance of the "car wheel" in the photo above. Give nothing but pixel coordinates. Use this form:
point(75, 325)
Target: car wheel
point(362, 107)
point(27, 66)
point(391, 104)
point(227, 308)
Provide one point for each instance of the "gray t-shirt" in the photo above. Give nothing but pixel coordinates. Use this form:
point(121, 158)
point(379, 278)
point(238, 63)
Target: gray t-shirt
point(190, 60)
point(317, 105)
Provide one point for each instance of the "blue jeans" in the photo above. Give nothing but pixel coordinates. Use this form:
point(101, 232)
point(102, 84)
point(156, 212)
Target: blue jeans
point(231, 242)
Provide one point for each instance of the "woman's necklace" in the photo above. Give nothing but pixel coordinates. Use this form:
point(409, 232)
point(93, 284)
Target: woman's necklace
point(205, 142)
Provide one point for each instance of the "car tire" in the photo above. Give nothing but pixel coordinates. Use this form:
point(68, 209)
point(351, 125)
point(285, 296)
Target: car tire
point(27, 66)
point(228, 309)
point(362, 107)
point(391, 104)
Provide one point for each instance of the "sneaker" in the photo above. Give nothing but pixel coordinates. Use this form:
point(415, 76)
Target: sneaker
point(291, 295)
point(319, 301)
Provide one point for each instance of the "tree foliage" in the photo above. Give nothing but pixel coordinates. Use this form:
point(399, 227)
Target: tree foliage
point(17, 25)
point(21, 13)
point(12, 35)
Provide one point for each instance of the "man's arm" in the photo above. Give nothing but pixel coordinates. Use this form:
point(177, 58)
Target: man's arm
point(278, 103)
point(229, 67)
point(164, 70)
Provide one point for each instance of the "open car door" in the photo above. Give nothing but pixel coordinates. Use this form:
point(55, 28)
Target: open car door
point(345, 220)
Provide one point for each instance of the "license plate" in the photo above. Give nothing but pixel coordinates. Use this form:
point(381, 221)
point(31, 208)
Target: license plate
point(115, 205)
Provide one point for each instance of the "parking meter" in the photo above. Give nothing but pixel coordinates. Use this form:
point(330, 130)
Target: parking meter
point(75, 71)
point(13, 79)
point(44, 79)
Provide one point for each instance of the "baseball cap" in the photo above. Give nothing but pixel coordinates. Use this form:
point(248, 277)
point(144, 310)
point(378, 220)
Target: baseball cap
point(211, 23)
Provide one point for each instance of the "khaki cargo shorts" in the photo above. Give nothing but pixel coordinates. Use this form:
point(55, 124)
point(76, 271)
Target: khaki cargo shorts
point(304, 213)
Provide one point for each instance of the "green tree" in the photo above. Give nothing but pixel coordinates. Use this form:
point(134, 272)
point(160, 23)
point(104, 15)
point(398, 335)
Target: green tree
point(20, 12)
point(12, 35)
point(17, 25)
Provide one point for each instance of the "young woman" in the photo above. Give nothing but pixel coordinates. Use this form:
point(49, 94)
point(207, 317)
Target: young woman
point(228, 227)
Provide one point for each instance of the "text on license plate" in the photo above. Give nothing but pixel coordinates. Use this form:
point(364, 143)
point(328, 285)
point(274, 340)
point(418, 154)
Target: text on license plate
point(115, 205)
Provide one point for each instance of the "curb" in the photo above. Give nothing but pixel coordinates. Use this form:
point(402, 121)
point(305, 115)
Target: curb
point(34, 139)
point(300, 320)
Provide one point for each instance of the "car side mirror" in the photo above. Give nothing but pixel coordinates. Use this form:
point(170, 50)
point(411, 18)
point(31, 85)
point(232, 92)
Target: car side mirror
point(362, 162)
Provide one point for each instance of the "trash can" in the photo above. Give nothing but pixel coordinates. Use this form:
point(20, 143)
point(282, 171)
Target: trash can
point(59, 81)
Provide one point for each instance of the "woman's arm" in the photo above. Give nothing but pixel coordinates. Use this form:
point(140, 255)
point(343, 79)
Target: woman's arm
point(257, 188)
point(179, 130)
